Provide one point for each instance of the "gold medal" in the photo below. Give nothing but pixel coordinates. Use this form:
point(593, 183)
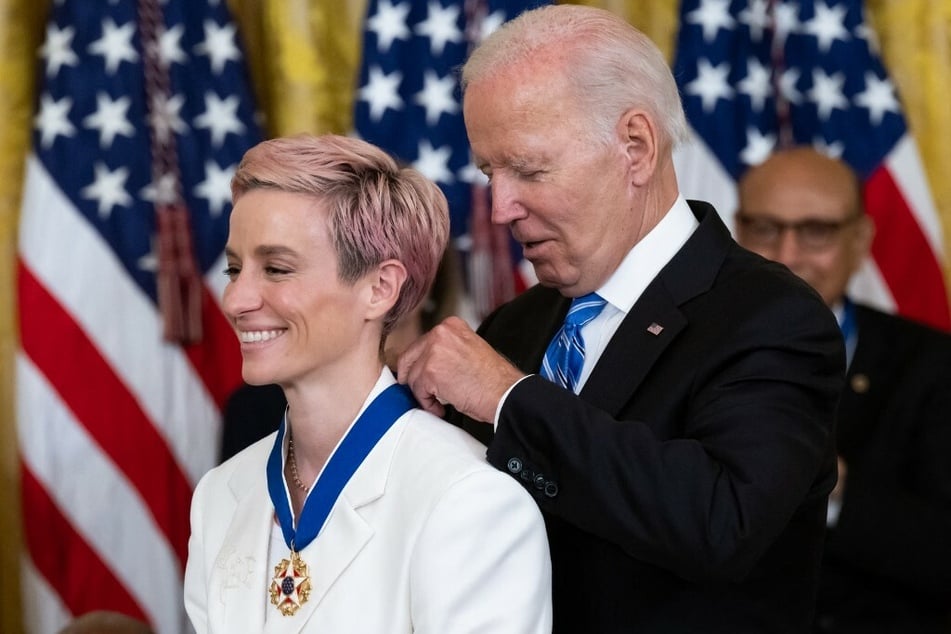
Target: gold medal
point(290, 587)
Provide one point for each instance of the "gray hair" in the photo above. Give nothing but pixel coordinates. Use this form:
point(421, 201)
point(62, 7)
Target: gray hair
point(614, 67)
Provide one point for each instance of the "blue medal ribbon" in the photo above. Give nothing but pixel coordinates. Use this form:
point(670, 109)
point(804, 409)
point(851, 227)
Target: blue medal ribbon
point(376, 419)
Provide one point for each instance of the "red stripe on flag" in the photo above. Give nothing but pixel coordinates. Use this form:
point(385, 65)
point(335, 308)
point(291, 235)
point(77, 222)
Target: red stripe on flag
point(64, 558)
point(217, 357)
point(899, 249)
point(99, 399)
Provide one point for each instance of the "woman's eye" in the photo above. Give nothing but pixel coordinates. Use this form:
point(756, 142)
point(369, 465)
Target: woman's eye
point(275, 270)
point(232, 272)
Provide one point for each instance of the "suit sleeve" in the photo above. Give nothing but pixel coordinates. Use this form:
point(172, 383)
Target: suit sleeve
point(703, 468)
point(481, 563)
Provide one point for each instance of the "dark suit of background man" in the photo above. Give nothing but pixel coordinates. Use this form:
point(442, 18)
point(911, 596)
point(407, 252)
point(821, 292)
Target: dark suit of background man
point(887, 562)
point(685, 485)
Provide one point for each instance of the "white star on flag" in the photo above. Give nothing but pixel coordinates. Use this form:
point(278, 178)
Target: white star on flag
point(382, 91)
point(219, 45)
point(170, 45)
point(108, 188)
point(57, 49)
point(216, 188)
point(433, 163)
point(711, 84)
point(827, 92)
point(827, 26)
point(53, 119)
point(389, 24)
point(878, 97)
point(755, 17)
point(436, 96)
point(757, 84)
point(115, 45)
point(440, 27)
point(220, 117)
point(712, 15)
point(110, 118)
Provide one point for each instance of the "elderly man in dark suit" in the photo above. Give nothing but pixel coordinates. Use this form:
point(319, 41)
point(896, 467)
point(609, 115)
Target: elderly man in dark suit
point(678, 436)
point(887, 561)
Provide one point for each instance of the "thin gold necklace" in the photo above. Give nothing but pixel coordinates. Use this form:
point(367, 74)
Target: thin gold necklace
point(291, 459)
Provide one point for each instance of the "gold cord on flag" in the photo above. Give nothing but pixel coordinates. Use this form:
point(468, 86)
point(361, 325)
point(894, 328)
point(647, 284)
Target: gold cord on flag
point(178, 281)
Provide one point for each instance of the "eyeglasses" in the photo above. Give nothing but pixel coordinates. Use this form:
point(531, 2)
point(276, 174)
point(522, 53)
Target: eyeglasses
point(812, 235)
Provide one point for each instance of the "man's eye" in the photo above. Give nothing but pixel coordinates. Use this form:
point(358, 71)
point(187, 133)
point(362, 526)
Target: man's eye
point(763, 228)
point(816, 230)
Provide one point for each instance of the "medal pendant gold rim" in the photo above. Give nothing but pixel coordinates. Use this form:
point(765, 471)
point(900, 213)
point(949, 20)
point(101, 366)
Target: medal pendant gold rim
point(293, 568)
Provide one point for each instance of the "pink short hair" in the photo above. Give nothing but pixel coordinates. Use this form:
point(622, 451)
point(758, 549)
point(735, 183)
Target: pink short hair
point(378, 210)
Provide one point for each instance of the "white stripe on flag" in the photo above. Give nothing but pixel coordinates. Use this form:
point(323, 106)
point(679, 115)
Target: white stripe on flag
point(43, 611)
point(158, 374)
point(83, 481)
point(904, 164)
point(869, 285)
point(701, 177)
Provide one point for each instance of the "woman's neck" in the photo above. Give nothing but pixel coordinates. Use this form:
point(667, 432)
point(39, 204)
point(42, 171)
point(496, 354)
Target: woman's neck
point(318, 416)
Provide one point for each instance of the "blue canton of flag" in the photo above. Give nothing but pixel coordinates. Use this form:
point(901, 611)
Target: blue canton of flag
point(759, 75)
point(92, 128)
point(751, 73)
point(409, 101)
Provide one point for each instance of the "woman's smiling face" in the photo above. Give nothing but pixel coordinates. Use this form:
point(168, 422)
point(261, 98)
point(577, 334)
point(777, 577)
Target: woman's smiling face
point(293, 315)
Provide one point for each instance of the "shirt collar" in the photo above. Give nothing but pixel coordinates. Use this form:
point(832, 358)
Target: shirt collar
point(645, 260)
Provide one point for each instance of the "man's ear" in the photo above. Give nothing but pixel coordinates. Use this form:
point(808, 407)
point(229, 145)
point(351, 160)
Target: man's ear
point(386, 284)
point(639, 137)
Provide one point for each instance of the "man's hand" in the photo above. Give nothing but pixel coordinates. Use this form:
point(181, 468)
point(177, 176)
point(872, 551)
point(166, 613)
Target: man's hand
point(453, 365)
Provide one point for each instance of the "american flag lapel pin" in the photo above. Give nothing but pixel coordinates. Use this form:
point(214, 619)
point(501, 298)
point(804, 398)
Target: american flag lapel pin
point(655, 328)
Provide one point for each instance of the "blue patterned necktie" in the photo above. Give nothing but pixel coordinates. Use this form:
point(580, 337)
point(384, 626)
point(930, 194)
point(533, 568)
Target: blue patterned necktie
point(565, 354)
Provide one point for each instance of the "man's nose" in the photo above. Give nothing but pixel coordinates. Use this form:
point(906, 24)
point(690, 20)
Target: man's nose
point(506, 205)
point(787, 248)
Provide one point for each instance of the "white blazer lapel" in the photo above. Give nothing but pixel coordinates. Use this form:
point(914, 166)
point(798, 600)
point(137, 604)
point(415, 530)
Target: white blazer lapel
point(343, 536)
point(240, 578)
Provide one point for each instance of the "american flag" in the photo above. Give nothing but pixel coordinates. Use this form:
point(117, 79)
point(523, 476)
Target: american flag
point(409, 103)
point(757, 75)
point(117, 418)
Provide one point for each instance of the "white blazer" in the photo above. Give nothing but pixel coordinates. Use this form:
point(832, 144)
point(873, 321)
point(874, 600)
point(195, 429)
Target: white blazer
point(426, 537)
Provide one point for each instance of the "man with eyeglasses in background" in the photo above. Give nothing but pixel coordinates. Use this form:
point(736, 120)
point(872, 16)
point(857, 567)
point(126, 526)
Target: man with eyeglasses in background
point(887, 560)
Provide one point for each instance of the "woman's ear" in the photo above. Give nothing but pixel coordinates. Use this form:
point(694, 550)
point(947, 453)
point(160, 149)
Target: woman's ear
point(385, 287)
point(639, 139)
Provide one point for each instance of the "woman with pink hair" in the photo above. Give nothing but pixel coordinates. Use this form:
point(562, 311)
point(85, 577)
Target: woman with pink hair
point(362, 513)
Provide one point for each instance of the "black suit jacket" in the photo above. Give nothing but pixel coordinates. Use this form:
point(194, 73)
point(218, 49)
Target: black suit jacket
point(685, 490)
point(887, 566)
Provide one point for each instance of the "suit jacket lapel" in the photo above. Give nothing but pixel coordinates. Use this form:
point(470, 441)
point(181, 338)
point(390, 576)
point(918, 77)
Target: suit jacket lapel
point(656, 319)
point(608, 388)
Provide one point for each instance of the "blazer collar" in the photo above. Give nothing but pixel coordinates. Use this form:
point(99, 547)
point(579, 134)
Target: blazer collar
point(246, 543)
